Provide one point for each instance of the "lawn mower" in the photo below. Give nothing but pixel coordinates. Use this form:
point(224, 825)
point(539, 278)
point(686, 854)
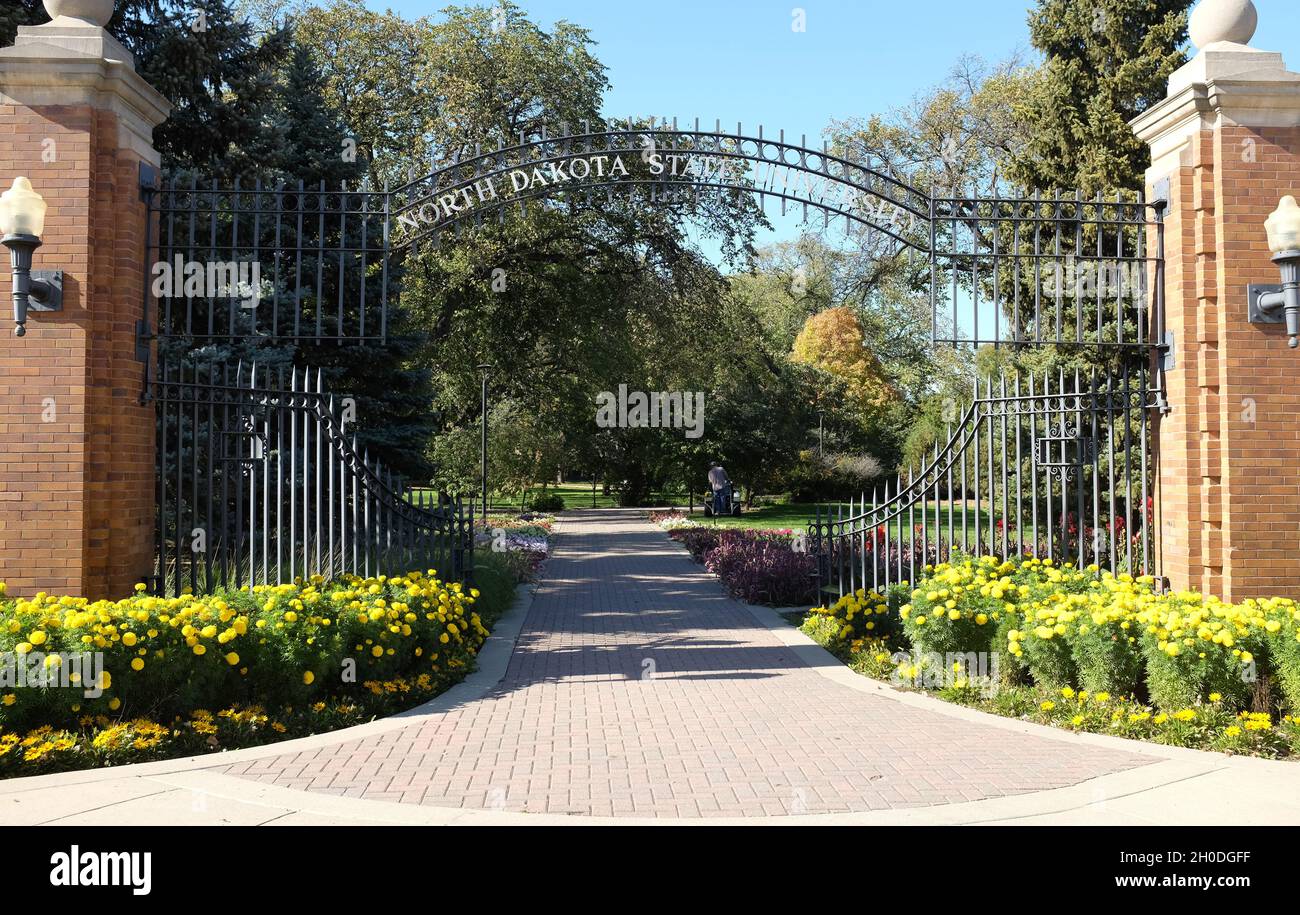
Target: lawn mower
point(725, 502)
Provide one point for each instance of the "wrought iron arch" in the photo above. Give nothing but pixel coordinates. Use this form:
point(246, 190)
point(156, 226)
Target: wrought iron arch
point(670, 163)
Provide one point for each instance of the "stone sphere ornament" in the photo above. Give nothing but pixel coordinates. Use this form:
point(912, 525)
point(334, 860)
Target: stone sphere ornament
point(91, 12)
point(1223, 20)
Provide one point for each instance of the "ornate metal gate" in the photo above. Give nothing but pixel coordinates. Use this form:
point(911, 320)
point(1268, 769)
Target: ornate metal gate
point(1054, 467)
point(1081, 275)
point(258, 483)
point(1057, 466)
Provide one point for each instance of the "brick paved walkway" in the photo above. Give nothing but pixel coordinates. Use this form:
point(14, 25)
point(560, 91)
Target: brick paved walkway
point(638, 688)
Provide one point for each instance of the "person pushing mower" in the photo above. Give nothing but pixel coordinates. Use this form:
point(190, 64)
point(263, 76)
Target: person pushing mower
point(723, 499)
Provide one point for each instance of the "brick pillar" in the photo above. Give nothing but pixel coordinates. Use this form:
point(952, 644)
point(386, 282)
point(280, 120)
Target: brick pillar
point(1227, 139)
point(76, 443)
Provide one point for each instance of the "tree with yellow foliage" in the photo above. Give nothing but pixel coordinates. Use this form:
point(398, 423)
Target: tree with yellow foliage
point(834, 342)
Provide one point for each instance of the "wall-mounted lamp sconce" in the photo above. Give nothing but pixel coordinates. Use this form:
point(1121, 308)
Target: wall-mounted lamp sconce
point(1278, 304)
point(22, 220)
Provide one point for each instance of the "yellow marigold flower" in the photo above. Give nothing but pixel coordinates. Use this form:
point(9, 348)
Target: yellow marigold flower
point(1216, 697)
point(1047, 705)
point(232, 659)
point(378, 651)
point(1233, 731)
point(137, 664)
point(308, 677)
point(200, 649)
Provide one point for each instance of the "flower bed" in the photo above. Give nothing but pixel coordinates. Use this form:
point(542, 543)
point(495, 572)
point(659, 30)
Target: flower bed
point(673, 519)
point(1085, 650)
point(175, 676)
point(524, 541)
point(759, 567)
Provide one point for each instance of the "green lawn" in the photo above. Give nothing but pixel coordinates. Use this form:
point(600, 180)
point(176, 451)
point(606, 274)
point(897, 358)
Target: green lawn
point(575, 495)
point(792, 515)
point(798, 516)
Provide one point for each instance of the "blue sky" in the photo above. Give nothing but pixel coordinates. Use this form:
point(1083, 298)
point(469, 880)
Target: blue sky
point(739, 60)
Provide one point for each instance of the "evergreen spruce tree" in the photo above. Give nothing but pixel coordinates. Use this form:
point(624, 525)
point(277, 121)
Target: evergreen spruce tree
point(393, 396)
point(1106, 61)
point(253, 106)
point(16, 13)
point(204, 59)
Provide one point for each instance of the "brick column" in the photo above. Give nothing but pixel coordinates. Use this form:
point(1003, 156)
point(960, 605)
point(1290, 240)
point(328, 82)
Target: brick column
point(1227, 139)
point(76, 443)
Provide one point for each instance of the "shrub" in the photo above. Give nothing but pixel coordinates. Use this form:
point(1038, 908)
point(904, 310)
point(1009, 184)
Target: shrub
point(547, 503)
point(1282, 635)
point(863, 615)
point(762, 567)
point(272, 645)
point(1099, 632)
point(697, 540)
point(759, 567)
point(958, 609)
point(144, 712)
point(1106, 652)
point(1090, 641)
point(827, 477)
point(1196, 646)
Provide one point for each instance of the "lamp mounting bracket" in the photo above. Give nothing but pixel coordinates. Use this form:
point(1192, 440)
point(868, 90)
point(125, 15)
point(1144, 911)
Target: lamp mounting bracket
point(53, 300)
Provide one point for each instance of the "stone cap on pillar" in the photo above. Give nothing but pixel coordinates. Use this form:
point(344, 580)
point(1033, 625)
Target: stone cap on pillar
point(72, 61)
point(1227, 83)
point(1221, 31)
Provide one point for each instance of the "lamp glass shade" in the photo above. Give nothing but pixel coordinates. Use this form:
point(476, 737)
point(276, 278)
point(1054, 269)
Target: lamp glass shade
point(22, 210)
point(1284, 227)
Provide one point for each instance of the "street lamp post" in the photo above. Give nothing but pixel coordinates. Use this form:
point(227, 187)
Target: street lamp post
point(484, 367)
point(1281, 304)
point(22, 219)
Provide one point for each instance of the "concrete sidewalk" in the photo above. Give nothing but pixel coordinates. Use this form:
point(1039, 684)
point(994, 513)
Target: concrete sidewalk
point(637, 691)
